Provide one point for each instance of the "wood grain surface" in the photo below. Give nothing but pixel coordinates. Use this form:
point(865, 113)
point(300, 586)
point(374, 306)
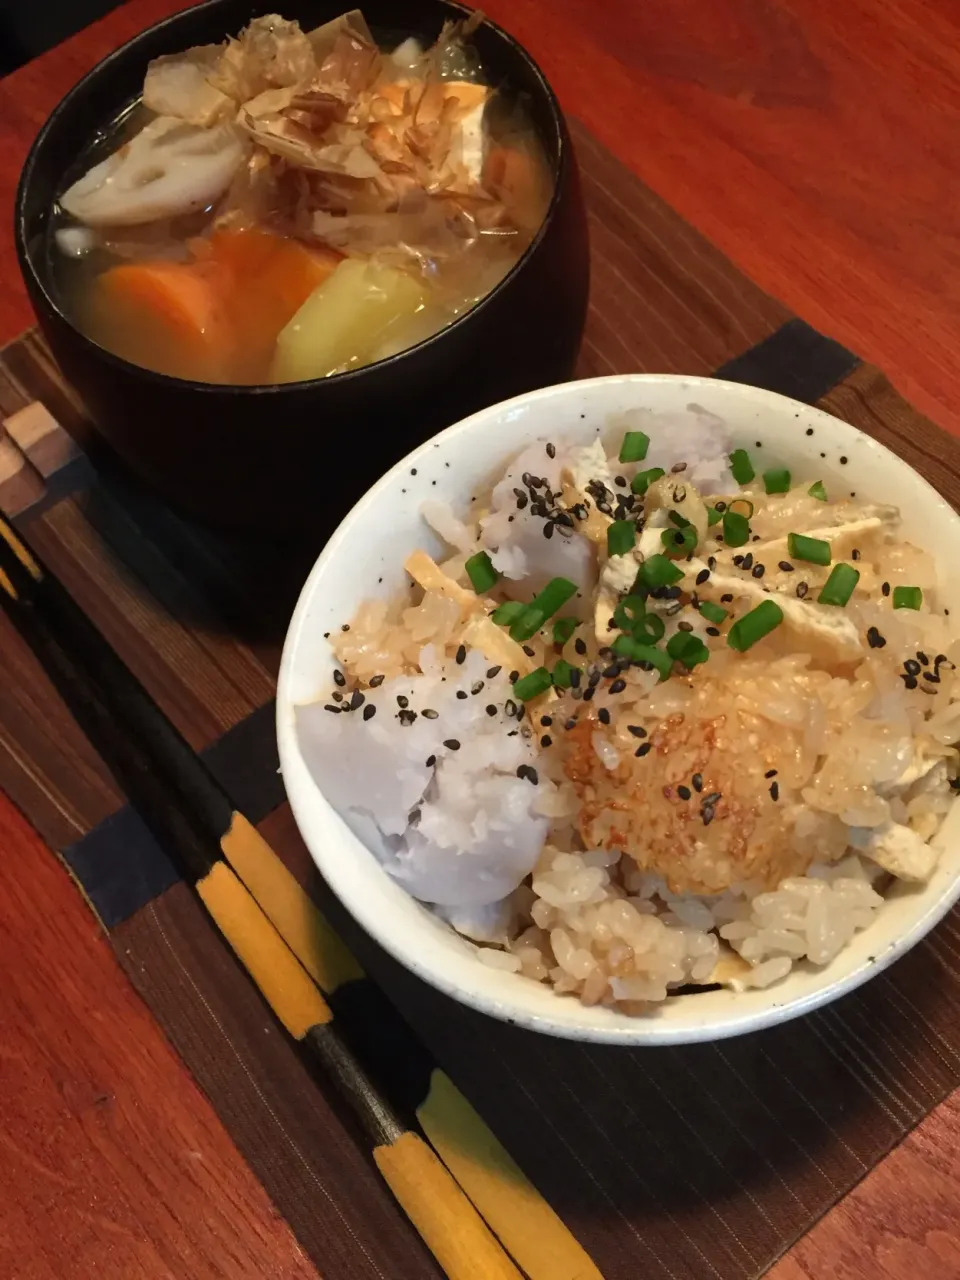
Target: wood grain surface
point(816, 144)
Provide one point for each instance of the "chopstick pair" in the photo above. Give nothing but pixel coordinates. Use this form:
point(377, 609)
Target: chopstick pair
point(290, 951)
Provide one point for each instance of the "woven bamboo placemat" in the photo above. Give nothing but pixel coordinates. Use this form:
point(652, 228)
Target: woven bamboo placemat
point(705, 1161)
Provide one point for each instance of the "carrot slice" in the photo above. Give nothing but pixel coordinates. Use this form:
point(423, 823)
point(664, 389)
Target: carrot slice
point(169, 316)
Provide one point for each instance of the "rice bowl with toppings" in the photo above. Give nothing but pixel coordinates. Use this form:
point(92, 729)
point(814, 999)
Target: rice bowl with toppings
point(649, 715)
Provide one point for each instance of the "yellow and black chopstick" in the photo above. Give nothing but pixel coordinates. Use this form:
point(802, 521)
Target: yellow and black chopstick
point(281, 938)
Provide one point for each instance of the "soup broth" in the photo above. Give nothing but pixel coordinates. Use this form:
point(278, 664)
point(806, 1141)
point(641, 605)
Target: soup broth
point(292, 205)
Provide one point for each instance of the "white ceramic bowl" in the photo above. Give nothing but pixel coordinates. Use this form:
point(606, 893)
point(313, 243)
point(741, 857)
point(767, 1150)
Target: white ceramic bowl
point(364, 559)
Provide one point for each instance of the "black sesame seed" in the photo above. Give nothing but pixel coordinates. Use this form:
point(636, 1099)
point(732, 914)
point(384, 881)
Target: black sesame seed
point(909, 681)
point(786, 566)
point(912, 667)
point(528, 651)
point(332, 707)
point(571, 723)
point(738, 561)
point(575, 677)
point(413, 471)
point(429, 714)
point(758, 570)
point(809, 431)
point(726, 597)
point(711, 562)
point(593, 679)
point(513, 677)
point(580, 646)
point(713, 631)
point(476, 687)
point(451, 744)
point(339, 678)
point(922, 657)
point(588, 693)
point(551, 450)
point(684, 626)
point(697, 781)
point(604, 715)
point(932, 677)
point(843, 460)
point(406, 717)
point(637, 730)
point(528, 772)
point(376, 682)
point(462, 695)
point(548, 530)
point(702, 577)
point(774, 790)
point(683, 792)
point(643, 749)
point(707, 814)
point(618, 686)
point(326, 635)
point(345, 627)
point(854, 554)
point(546, 740)
point(546, 721)
point(490, 709)
point(430, 761)
point(461, 655)
point(885, 588)
point(337, 696)
point(759, 444)
point(493, 671)
point(874, 639)
point(522, 499)
point(510, 707)
point(748, 560)
point(673, 609)
point(402, 701)
point(369, 711)
point(802, 589)
point(357, 700)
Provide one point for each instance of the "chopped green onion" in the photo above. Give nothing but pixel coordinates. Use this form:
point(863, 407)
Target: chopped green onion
point(642, 481)
point(621, 535)
point(679, 542)
point(777, 480)
point(627, 647)
point(562, 673)
point(481, 572)
point(817, 491)
point(907, 597)
point(736, 529)
point(533, 685)
point(634, 447)
point(713, 516)
point(649, 629)
point(753, 626)
point(813, 550)
point(543, 606)
point(735, 505)
point(712, 612)
point(507, 613)
point(658, 571)
point(563, 629)
point(838, 588)
point(688, 649)
point(741, 466)
point(629, 612)
point(680, 521)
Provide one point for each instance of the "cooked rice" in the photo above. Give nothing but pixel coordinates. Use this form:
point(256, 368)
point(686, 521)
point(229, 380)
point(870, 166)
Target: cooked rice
point(719, 826)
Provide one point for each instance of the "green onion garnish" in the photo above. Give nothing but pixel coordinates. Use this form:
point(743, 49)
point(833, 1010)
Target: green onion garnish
point(741, 507)
point(507, 613)
point(713, 516)
point(563, 629)
point(838, 588)
point(813, 550)
point(688, 649)
point(562, 673)
point(658, 571)
point(543, 606)
point(642, 481)
point(736, 529)
point(621, 535)
point(679, 542)
point(753, 626)
point(680, 521)
point(531, 686)
point(629, 612)
point(741, 466)
point(907, 597)
point(634, 447)
point(817, 491)
point(777, 480)
point(712, 612)
point(481, 572)
point(649, 629)
point(627, 647)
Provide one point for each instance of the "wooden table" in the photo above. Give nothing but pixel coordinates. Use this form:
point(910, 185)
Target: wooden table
point(816, 144)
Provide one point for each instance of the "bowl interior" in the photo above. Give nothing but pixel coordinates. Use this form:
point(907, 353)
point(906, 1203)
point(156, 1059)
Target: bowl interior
point(364, 560)
point(116, 83)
